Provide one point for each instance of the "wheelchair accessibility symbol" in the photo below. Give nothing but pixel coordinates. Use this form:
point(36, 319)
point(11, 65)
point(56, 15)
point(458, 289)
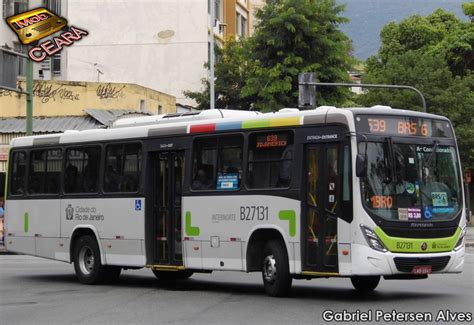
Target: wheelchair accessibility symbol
point(428, 213)
point(138, 205)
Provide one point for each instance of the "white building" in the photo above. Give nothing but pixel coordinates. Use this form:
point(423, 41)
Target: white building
point(159, 44)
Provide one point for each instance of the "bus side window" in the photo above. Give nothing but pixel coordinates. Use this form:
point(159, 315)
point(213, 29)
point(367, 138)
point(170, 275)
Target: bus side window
point(270, 159)
point(45, 171)
point(18, 173)
point(217, 163)
point(123, 167)
point(82, 170)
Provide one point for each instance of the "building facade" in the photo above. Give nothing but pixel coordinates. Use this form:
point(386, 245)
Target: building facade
point(158, 44)
point(254, 6)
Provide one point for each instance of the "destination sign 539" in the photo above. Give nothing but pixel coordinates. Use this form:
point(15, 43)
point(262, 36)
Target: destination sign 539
point(403, 126)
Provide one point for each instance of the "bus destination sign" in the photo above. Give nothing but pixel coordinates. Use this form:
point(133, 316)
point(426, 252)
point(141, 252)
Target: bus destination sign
point(403, 126)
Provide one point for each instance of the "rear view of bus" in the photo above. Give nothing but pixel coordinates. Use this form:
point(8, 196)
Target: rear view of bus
point(411, 214)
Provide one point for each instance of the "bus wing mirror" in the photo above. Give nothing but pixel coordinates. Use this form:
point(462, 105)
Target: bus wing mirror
point(361, 165)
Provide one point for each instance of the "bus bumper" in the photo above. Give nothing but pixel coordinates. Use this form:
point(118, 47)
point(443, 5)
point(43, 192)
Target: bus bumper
point(367, 261)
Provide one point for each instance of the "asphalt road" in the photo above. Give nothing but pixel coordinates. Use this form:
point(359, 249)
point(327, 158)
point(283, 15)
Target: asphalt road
point(38, 291)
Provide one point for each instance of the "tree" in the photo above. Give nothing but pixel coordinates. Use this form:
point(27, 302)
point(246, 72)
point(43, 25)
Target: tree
point(292, 36)
point(295, 36)
point(231, 71)
point(434, 54)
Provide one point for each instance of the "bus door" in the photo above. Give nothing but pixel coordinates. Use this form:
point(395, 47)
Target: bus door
point(320, 207)
point(167, 174)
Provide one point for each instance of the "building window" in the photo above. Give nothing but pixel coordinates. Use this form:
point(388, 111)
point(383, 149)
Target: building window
point(45, 171)
point(123, 168)
point(53, 5)
point(241, 25)
point(82, 170)
point(56, 63)
point(22, 61)
point(219, 12)
point(270, 159)
point(217, 163)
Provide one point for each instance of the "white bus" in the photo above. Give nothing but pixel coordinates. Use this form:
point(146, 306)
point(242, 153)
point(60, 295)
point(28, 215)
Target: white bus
point(359, 193)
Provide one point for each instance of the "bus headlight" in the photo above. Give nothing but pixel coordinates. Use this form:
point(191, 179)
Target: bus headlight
point(460, 243)
point(372, 239)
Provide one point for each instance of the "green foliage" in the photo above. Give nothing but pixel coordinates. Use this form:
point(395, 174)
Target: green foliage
point(468, 9)
point(293, 36)
point(434, 54)
point(231, 71)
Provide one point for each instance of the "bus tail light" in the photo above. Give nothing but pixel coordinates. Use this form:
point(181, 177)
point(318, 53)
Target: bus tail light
point(460, 243)
point(372, 239)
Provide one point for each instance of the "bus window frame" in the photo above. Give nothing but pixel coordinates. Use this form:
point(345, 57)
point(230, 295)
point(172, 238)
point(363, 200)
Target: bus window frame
point(247, 150)
point(104, 163)
point(59, 194)
point(101, 170)
point(10, 173)
point(217, 136)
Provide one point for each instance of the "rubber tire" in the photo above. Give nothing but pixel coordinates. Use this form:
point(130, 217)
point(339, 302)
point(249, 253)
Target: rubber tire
point(100, 273)
point(282, 285)
point(365, 284)
point(173, 275)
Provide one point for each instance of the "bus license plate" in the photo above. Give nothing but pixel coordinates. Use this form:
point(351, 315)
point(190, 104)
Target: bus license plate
point(422, 269)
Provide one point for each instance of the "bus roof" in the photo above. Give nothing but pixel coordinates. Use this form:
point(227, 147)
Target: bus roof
point(212, 121)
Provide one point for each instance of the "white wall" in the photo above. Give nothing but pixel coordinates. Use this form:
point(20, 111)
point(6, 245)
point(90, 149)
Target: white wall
point(124, 43)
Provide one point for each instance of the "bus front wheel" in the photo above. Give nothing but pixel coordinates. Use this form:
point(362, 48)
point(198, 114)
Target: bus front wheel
point(365, 284)
point(275, 269)
point(87, 263)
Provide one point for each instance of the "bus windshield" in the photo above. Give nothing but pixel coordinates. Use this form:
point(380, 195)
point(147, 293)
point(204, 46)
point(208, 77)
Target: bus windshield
point(410, 182)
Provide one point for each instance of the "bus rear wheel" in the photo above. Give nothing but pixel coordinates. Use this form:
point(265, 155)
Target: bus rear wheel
point(87, 263)
point(365, 284)
point(275, 269)
point(173, 275)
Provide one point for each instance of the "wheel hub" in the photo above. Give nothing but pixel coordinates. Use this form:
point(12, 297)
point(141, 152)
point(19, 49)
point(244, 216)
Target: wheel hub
point(269, 269)
point(86, 260)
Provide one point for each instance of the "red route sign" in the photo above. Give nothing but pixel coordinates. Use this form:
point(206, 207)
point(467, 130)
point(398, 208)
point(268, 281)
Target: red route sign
point(468, 177)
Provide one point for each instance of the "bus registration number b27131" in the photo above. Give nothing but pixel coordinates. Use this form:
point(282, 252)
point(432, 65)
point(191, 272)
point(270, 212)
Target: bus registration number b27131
point(254, 212)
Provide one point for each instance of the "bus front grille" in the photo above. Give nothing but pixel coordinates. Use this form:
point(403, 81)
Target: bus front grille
point(406, 264)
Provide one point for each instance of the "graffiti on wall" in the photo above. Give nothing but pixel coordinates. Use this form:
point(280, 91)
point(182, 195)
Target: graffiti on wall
point(109, 92)
point(52, 92)
point(47, 92)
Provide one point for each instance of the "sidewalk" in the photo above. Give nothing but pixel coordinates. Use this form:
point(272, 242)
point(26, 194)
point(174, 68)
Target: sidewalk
point(469, 241)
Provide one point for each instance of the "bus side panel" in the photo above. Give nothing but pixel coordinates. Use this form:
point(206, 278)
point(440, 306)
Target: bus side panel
point(119, 223)
point(223, 224)
point(17, 236)
point(36, 219)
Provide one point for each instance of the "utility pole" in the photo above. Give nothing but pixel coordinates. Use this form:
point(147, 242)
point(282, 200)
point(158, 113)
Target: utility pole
point(211, 54)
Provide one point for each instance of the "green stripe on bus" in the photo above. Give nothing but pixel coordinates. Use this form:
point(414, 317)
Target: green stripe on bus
point(190, 230)
point(255, 124)
point(289, 215)
point(418, 245)
point(26, 221)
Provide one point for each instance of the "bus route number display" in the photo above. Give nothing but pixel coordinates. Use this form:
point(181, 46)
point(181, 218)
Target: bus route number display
point(403, 126)
point(272, 140)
